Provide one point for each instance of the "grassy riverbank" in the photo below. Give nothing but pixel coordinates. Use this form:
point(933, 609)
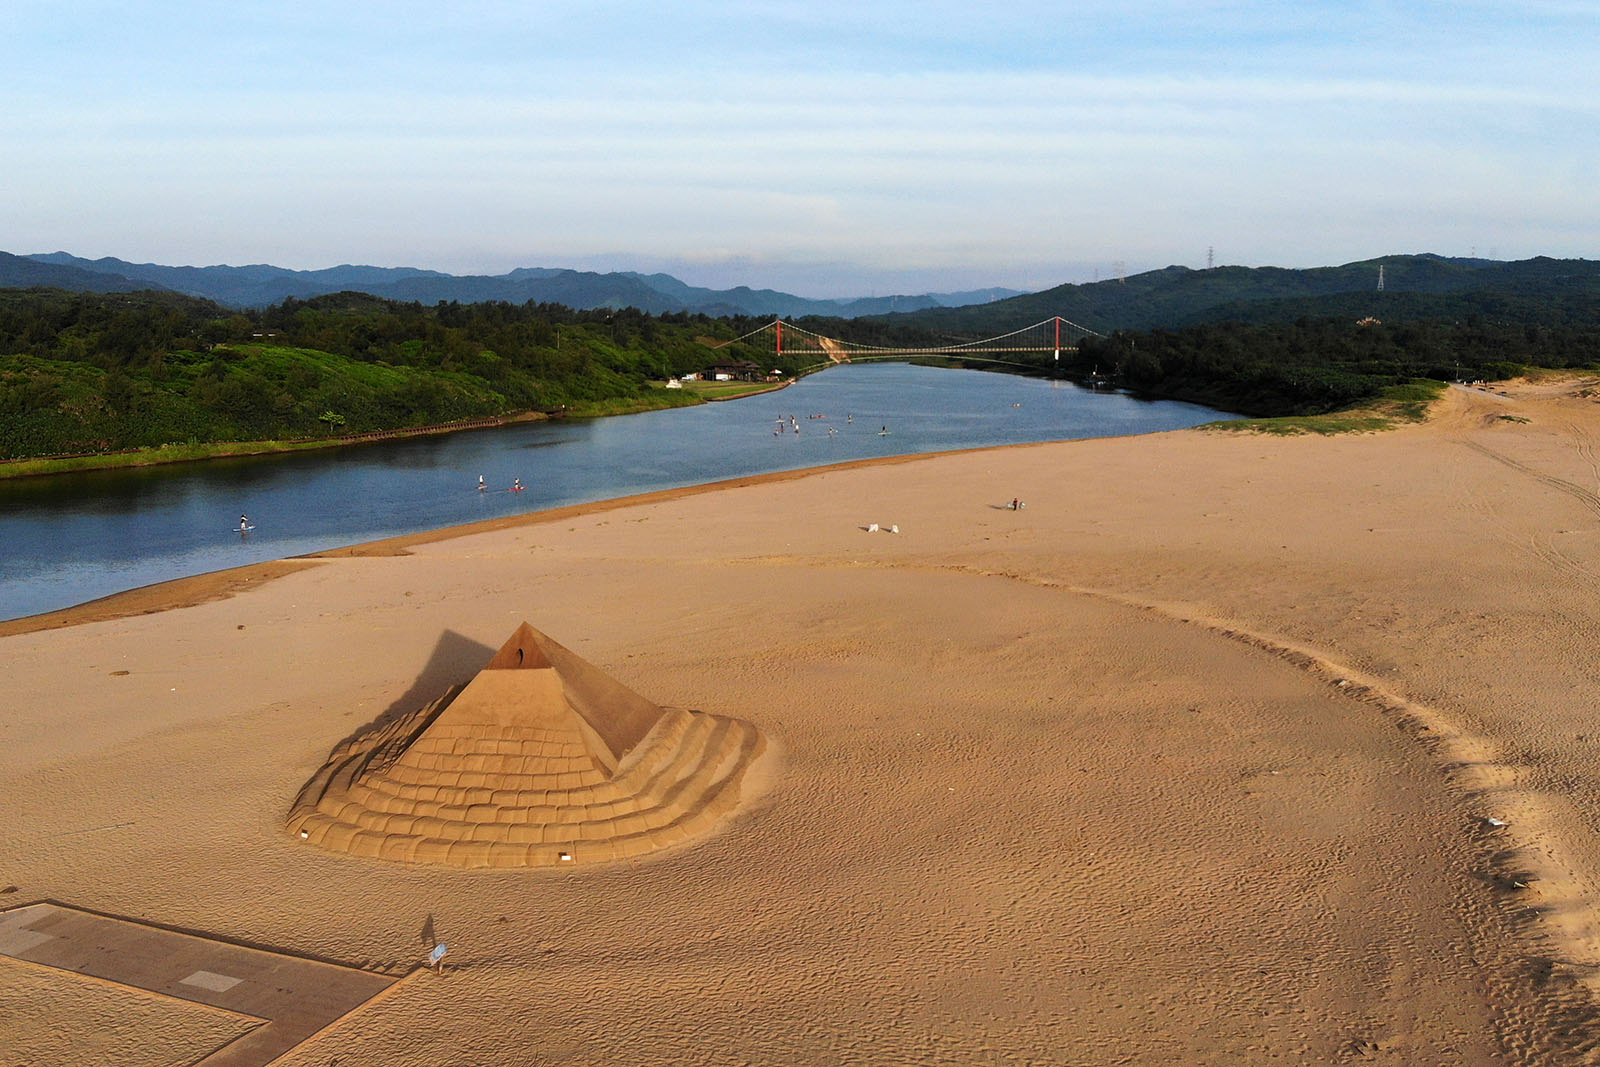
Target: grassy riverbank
point(147, 457)
point(1394, 406)
point(730, 390)
point(150, 374)
point(656, 399)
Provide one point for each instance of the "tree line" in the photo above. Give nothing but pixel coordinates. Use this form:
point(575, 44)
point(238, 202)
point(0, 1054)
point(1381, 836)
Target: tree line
point(1312, 366)
point(87, 372)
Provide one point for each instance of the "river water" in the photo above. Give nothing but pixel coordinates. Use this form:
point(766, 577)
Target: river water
point(68, 539)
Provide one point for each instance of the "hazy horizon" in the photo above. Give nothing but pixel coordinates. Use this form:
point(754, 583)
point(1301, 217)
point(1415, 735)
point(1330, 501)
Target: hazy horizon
point(824, 149)
point(728, 276)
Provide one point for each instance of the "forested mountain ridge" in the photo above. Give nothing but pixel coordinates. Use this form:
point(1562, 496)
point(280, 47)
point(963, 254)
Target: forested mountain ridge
point(259, 285)
point(1172, 296)
point(1178, 296)
point(22, 272)
point(244, 286)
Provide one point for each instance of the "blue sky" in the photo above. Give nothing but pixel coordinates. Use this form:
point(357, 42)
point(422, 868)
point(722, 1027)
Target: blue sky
point(827, 149)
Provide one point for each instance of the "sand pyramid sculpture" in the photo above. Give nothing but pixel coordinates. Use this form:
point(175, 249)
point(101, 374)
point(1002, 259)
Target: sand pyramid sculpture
point(541, 760)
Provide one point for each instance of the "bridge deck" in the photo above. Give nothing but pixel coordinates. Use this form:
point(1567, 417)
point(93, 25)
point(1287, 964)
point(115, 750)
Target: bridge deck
point(843, 349)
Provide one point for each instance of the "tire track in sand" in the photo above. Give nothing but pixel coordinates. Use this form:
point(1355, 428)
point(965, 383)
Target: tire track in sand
point(1588, 499)
point(1585, 447)
point(1472, 496)
point(1550, 899)
point(1541, 547)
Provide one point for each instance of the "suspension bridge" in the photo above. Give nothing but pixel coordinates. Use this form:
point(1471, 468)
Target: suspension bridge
point(1053, 335)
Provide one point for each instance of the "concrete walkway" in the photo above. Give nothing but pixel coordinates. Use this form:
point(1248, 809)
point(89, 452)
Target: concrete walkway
point(293, 998)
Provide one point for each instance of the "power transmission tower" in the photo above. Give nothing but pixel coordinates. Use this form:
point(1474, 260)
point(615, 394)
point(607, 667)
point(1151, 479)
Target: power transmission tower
point(1210, 257)
point(1380, 277)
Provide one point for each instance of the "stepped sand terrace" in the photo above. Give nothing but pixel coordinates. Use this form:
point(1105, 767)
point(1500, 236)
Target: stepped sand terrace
point(540, 760)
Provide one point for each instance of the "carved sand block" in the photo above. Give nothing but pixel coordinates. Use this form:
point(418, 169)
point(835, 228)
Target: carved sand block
point(542, 760)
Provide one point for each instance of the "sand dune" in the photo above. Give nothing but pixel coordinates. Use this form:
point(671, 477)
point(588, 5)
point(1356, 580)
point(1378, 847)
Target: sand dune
point(1190, 761)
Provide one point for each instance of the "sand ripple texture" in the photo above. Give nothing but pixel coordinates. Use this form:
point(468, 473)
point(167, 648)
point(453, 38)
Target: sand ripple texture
point(1076, 784)
point(50, 1017)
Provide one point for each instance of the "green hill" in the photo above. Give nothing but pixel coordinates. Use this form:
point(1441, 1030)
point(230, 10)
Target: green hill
point(1179, 296)
point(1267, 341)
point(91, 372)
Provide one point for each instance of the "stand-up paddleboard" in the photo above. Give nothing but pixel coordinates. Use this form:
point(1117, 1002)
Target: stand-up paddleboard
point(243, 529)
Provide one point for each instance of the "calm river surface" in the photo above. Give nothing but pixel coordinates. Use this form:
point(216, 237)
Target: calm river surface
point(72, 538)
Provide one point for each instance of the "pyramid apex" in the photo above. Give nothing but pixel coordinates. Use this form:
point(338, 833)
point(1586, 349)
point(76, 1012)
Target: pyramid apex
point(523, 651)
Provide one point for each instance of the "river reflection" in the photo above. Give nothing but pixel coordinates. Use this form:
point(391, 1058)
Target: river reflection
point(72, 538)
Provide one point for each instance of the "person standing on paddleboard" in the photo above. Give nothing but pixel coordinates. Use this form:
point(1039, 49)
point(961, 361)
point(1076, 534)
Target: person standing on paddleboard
point(244, 523)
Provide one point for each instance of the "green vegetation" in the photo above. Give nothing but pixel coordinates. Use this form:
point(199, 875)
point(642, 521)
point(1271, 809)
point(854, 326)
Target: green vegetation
point(1267, 341)
point(99, 373)
point(1315, 366)
point(1304, 367)
point(727, 390)
point(1393, 405)
point(1551, 292)
point(105, 374)
point(148, 456)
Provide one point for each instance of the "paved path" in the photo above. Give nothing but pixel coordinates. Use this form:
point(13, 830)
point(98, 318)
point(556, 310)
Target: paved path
point(291, 996)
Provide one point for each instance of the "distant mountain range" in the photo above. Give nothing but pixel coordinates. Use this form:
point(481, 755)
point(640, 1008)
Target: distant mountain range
point(1542, 290)
point(1539, 290)
point(259, 285)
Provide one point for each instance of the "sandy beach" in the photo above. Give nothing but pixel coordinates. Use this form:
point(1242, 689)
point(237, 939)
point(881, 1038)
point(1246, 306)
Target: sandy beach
point(1189, 761)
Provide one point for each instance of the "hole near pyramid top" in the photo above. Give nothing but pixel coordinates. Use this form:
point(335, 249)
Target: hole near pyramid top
point(522, 652)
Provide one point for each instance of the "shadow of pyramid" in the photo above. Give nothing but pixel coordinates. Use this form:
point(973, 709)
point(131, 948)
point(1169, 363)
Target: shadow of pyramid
point(455, 659)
